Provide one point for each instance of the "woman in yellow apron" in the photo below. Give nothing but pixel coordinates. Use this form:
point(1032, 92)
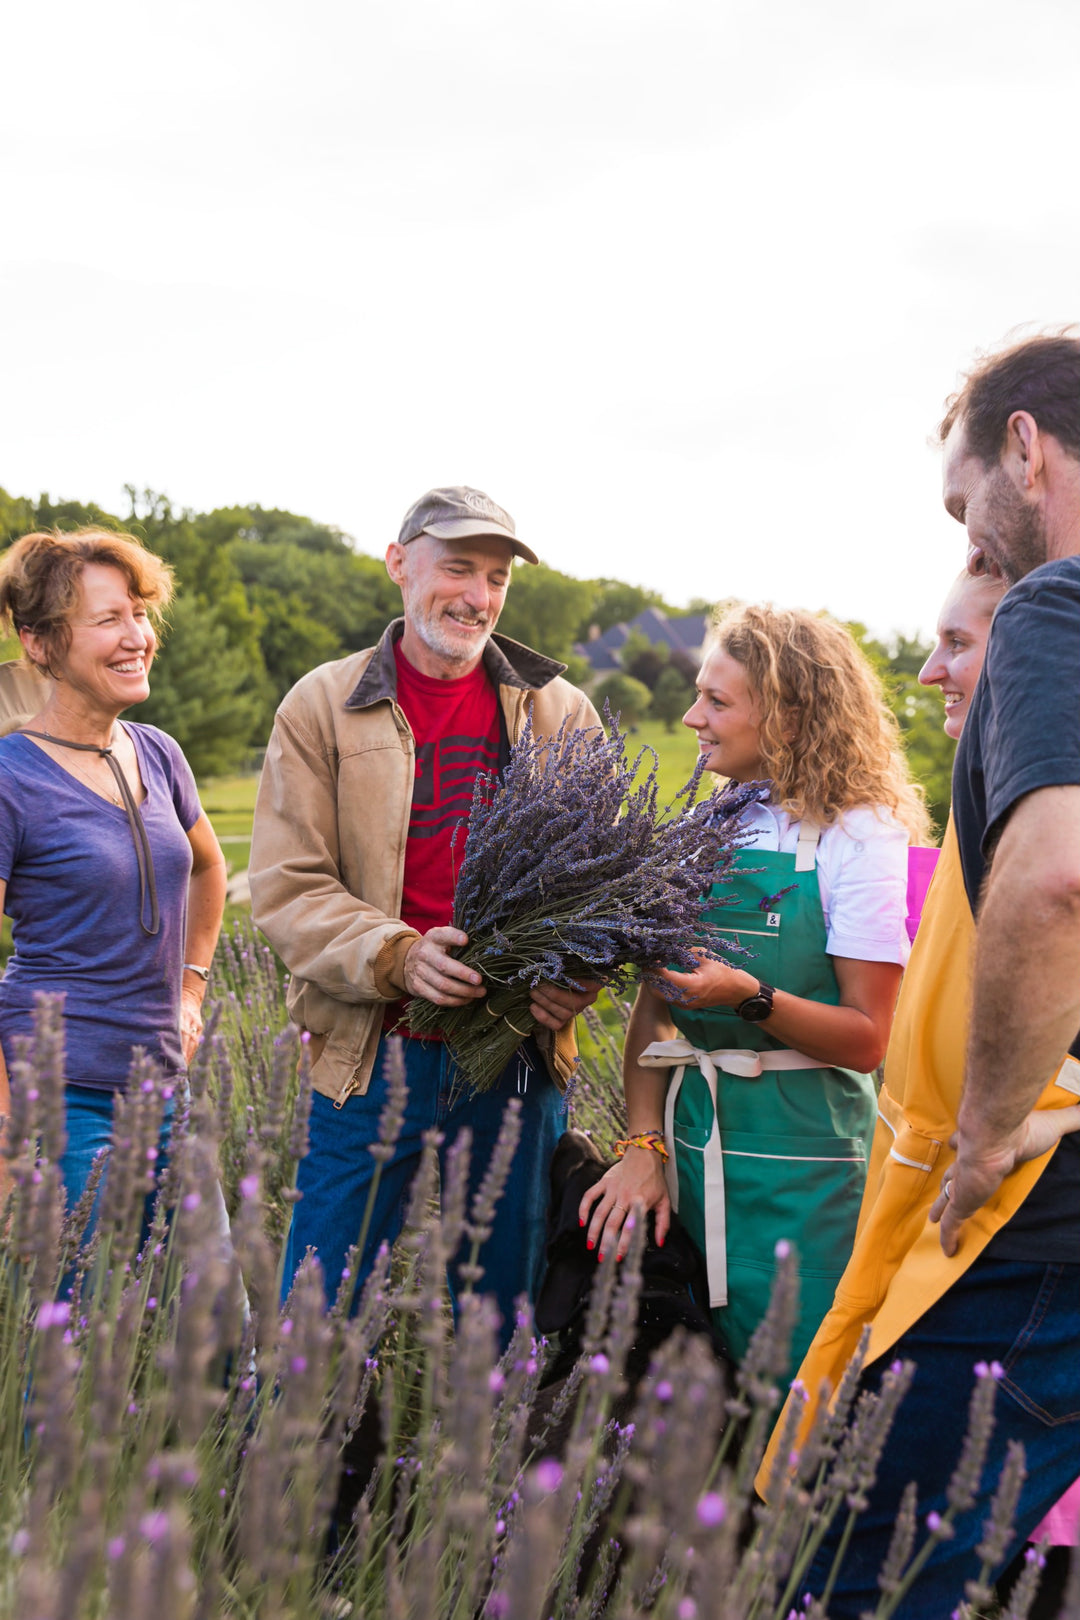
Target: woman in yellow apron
point(756, 1083)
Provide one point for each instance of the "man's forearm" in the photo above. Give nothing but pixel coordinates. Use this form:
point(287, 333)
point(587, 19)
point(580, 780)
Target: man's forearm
point(1026, 991)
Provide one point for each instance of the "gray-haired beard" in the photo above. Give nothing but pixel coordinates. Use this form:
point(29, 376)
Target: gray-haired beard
point(430, 631)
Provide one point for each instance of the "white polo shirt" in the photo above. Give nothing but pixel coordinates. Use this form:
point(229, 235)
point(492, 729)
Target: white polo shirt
point(862, 863)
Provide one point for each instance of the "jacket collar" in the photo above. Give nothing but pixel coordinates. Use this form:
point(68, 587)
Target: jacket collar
point(507, 662)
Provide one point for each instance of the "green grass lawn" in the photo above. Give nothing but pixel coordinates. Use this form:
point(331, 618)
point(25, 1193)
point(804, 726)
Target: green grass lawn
point(229, 801)
point(677, 752)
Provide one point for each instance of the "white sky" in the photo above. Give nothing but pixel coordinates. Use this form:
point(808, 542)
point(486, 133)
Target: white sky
point(681, 284)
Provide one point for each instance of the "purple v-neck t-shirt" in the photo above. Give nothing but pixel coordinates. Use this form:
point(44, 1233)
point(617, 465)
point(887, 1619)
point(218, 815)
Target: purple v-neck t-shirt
point(68, 859)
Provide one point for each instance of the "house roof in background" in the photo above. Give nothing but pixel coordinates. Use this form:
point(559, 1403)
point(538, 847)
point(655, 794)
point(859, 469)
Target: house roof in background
point(686, 633)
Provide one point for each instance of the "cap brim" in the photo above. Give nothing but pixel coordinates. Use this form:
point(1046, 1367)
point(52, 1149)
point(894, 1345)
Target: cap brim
point(472, 528)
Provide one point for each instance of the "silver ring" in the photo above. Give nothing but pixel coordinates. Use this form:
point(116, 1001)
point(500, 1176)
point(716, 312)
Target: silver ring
point(946, 1187)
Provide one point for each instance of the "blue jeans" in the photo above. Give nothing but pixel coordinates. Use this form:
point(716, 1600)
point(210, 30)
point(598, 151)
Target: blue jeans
point(337, 1173)
point(1027, 1317)
point(89, 1118)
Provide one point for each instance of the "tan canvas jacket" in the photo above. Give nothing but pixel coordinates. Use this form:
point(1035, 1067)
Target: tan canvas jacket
point(328, 844)
point(22, 693)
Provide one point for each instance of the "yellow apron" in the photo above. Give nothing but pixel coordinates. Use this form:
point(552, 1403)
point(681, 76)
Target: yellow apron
point(897, 1269)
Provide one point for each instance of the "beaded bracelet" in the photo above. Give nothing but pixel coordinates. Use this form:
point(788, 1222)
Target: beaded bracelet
point(654, 1140)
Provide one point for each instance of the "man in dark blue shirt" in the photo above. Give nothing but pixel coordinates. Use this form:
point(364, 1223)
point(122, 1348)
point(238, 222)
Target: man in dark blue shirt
point(1012, 477)
point(998, 1292)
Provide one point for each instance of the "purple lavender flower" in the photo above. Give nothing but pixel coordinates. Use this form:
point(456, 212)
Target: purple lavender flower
point(53, 1313)
point(711, 1509)
point(154, 1526)
point(549, 1475)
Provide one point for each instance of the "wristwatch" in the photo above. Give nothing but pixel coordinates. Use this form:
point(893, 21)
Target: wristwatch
point(756, 1008)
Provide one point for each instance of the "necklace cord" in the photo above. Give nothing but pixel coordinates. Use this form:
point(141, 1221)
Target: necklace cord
point(143, 854)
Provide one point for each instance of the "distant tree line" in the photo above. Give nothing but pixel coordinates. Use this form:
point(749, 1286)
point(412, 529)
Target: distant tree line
point(265, 595)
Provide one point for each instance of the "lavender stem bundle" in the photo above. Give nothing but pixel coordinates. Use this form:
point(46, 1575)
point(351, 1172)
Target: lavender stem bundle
point(572, 871)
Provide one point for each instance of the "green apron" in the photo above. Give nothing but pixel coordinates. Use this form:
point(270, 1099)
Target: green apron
point(766, 1144)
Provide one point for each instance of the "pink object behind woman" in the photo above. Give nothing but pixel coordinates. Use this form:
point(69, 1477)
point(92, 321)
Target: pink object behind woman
point(920, 869)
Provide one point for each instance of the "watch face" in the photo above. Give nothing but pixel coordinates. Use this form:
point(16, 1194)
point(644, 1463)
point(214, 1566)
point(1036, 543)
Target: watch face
point(756, 1009)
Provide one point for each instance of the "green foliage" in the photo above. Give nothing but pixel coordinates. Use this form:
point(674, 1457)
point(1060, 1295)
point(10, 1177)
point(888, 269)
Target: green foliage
point(672, 696)
point(578, 670)
point(626, 697)
point(614, 602)
point(642, 659)
point(204, 691)
point(920, 713)
point(347, 594)
point(544, 609)
point(16, 517)
point(264, 595)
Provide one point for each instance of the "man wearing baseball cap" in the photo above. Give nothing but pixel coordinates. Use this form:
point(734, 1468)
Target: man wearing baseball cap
point(369, 770)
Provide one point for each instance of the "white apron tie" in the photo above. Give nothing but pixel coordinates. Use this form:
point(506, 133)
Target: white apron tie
point(745, 1064)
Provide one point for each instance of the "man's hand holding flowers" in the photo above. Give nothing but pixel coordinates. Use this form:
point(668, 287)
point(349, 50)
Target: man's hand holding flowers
point(554, 1005)
point(430, 971)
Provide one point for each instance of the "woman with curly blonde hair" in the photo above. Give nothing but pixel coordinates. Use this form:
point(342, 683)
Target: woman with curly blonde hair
point(753, 1086)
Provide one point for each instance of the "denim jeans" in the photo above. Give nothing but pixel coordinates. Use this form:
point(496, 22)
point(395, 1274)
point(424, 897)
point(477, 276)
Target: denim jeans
point(335, 1177)
point(89, 1117)
point(1025, 1316)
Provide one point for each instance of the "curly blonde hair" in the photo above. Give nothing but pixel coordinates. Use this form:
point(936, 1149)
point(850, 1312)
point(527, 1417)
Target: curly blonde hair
point(828, 739)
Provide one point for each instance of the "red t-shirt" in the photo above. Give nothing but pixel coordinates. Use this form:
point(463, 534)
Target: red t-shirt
point(456, 727)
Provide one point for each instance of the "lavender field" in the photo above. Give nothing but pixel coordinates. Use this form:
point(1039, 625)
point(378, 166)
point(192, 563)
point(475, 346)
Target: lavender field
point(173, 1443)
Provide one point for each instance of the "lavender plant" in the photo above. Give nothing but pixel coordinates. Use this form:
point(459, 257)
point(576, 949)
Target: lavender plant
point(572, 871)
point(163, 1450)
point(595, 1100)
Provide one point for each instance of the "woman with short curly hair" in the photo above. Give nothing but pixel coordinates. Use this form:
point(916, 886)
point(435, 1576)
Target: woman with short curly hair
point(754, 1085)
point(109, 869)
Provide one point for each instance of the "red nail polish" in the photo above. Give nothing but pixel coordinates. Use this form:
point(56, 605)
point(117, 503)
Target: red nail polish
point(580, 1221)
point(600, 1258)
point(588, 1245)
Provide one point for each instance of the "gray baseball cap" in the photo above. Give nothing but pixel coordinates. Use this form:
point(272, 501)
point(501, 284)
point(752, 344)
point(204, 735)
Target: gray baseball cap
point(459, 513)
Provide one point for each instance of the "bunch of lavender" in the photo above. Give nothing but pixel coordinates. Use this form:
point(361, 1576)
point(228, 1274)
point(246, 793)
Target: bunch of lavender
point(573, 871)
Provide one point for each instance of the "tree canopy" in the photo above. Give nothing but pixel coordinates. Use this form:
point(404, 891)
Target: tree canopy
point(264, 595)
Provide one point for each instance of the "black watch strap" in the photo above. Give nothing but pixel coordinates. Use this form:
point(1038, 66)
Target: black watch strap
point(756, 1008)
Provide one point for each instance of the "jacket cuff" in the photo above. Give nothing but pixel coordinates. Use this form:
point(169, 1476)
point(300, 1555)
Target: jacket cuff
point(564, 1051)
point(389, 966)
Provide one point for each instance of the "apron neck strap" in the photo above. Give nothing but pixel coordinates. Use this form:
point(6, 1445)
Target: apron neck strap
point(806, 848)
